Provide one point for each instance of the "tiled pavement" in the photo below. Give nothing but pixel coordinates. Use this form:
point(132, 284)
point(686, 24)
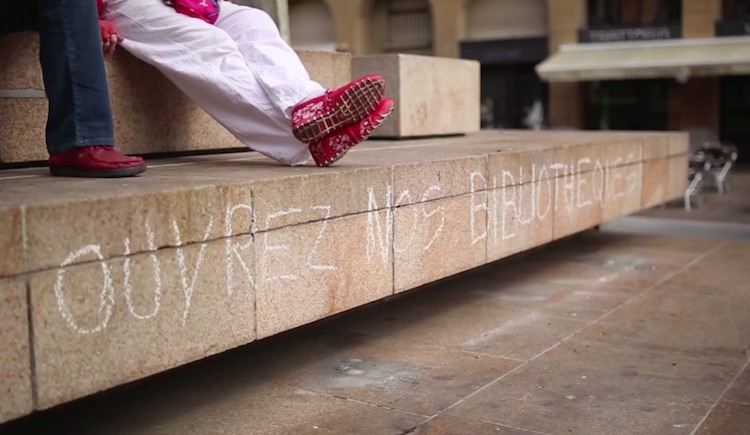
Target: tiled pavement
point(598, 334)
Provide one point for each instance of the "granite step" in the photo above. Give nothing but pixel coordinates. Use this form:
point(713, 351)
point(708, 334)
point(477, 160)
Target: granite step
point(105, 282)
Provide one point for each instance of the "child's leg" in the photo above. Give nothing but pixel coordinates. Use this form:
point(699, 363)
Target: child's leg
point(276, 66)
point(284, 78)
point(206, 64)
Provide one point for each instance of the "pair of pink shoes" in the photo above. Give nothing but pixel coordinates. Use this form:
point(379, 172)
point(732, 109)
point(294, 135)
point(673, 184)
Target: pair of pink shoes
point(335, 122)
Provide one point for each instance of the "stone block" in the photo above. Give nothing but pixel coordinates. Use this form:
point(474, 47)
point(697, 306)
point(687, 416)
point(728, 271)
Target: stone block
point(678, 177)
point(145, 215)
point(579, 157)
point(418, 182)
point(23, 122)
point(330, 69)
point(15, 356)
point(285, 201)
point(655, 183)
point(22, 72)
point(520, 167)
point(622, 192)
point(521, 217)
point(434, 96)
point(132, 277)
point(579, 200)
point(656, 146)
point(309, 272)
point(623, 152)
point(106, 323)
point(427, 236)
point(11, 242)
point(152, 116)
point(679, 143)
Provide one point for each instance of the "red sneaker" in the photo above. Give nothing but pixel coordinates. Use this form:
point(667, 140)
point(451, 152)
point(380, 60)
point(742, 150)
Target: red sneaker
point(315, 119)
point(333, 147)
point(95, 162)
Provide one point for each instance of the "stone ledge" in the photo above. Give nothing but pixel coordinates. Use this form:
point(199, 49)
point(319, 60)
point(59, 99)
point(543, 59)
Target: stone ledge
point(151, 115)
point(205, 254)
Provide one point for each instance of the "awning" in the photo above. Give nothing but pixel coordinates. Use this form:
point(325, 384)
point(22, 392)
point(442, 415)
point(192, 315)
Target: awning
point(677, 58)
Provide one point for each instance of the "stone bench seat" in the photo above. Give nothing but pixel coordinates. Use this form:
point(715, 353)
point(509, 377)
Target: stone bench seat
point(151, 115)
point(122, 279)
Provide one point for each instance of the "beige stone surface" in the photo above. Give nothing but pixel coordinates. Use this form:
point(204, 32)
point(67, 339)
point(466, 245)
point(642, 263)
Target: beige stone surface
point(284, 201)
point(11, 242)
point(427, 237)
point(142, 221)
point(623, 152)
point(678, 177)
point(434, 96)
point(520, 217)
point(219, 241)
point(580, 157)
point(330, 69)
point(417, 182)
point(15, 357)
point(518, 166)
point(622, 191)
point(23, 72)
point(103, 324)
point(679, 143)
point(656, 146)
point(153, 116)
point(308, 272)
point(22, 122)
point(579, 200)
point(655, 182)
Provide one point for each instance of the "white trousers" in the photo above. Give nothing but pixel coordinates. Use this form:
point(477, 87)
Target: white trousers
point(240, 71)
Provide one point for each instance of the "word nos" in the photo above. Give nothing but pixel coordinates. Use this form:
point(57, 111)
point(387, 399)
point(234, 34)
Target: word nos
point(514, 205)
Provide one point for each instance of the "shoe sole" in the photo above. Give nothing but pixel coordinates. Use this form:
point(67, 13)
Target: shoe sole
point(343, 152)
point(356, 104)
point(109, 173)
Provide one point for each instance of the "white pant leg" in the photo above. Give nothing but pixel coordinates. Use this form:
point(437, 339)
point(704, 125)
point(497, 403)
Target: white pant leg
point(206, 64)
point(275, 64)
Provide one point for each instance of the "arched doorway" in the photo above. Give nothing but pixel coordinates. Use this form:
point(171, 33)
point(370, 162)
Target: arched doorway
point(311, 25)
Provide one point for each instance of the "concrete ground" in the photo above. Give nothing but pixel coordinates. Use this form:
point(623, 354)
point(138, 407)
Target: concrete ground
point(608, 332)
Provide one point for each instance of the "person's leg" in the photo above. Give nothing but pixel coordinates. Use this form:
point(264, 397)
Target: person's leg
point(313, 112)
point(75, 80)
point(276, 66)
point(206, 64)
point(79, 126)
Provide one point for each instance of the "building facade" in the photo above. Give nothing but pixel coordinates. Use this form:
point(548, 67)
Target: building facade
point(593, 64)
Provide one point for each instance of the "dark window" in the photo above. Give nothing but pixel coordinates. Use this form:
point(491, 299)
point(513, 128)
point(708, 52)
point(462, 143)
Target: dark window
point(627, 105)
point(623, 13)
point(736, 10)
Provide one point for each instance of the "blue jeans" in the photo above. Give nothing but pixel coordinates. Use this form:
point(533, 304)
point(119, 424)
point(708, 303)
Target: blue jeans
point(72, 62)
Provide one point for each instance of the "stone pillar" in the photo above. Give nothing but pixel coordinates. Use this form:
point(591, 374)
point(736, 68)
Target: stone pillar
point(351, 18)
point(699, 18)
point(448, 26)
point(695, 104)
point(565, 18)
point(277, 9)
